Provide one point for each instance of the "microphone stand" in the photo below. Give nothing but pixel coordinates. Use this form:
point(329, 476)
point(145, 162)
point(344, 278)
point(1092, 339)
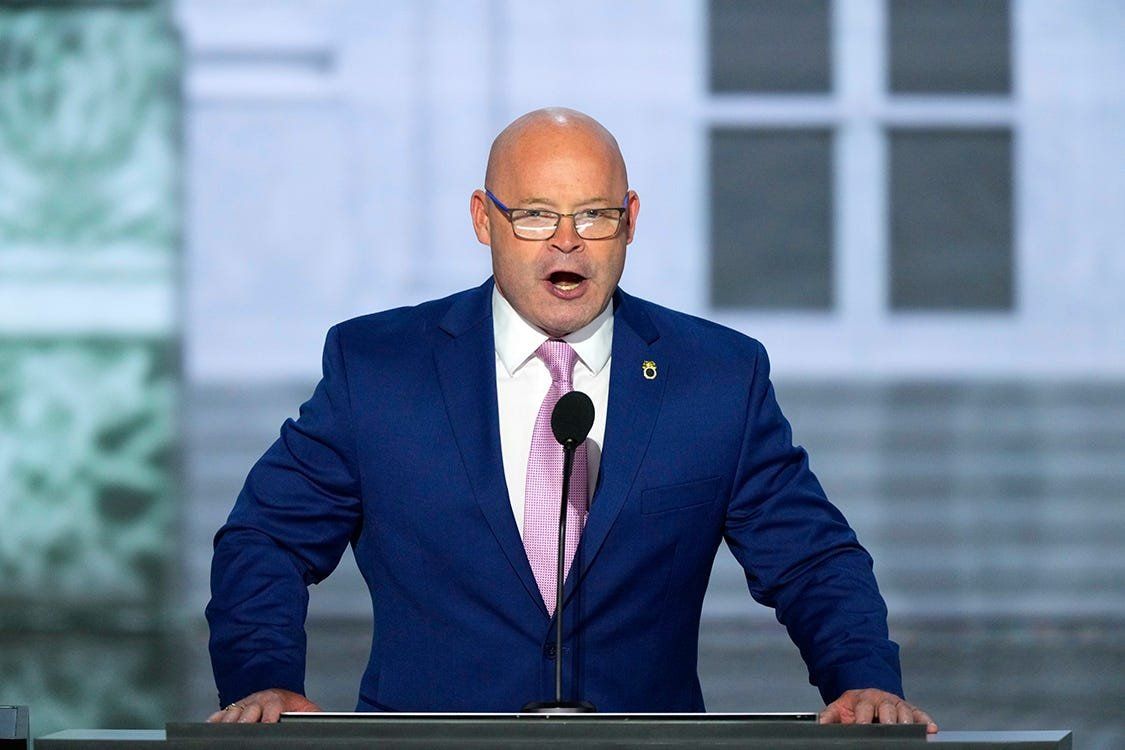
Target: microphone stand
point(558, 705)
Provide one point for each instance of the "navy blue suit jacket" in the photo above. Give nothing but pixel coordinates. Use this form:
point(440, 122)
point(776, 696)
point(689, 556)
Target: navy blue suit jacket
point(397, 453)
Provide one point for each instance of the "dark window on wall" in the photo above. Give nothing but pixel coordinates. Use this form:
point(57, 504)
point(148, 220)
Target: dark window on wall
point(951, 219)
point(771, 218)
point(779, 46)
point(950, 190)
point(949, 46)
point(771, 189)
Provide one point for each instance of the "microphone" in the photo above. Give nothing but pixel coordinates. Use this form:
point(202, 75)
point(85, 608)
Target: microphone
point(571, 420)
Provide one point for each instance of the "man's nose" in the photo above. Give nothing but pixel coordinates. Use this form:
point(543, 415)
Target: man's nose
point(566, 239)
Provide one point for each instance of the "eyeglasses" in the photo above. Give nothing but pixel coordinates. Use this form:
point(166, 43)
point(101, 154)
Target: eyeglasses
point(537, 224)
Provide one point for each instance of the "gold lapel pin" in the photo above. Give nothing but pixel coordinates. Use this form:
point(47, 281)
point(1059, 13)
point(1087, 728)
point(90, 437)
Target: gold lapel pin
point(648, 369)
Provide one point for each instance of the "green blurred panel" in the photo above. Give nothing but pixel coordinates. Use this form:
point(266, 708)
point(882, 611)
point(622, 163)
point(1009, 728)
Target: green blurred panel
point(90, 211)
point(89, 123)
point(86, 437)
point(91, 679)
point(89, 206)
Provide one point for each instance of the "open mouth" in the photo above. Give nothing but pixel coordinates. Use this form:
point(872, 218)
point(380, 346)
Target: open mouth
point(566, 280)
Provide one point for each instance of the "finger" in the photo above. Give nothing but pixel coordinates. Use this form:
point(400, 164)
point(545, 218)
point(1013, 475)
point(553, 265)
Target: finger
point(864, 711)
point(830, 715)
point(215, 717)
point(921, 717)
point(887, 712)
point(231, 714)
point(905, 713)
point(271, 712)
point(251, 714)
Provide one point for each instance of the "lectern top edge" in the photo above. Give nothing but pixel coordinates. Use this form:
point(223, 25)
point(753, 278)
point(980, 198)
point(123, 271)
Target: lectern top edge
point(802, 716)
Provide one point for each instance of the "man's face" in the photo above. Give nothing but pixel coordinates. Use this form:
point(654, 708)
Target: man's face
point(562, 283)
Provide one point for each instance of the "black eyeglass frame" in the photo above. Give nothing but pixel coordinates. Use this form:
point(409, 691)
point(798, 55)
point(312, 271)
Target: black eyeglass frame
point(622, 218)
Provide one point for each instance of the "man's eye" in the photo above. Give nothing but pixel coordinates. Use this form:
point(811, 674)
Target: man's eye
point(531, 213)
point(591, 213)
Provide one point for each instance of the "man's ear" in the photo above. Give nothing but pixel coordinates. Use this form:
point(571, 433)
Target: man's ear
point(478, 210)
point(633, 208)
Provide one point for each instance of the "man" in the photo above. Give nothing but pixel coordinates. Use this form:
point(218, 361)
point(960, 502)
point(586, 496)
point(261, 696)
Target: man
point(423, 447)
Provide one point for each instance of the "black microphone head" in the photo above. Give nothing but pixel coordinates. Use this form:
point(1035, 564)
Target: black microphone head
point(572, 418)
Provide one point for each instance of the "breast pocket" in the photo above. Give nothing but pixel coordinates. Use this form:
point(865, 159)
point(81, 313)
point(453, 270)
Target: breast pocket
point(680, 496)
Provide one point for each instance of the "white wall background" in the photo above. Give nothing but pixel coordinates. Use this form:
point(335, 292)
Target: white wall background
point(332, 146)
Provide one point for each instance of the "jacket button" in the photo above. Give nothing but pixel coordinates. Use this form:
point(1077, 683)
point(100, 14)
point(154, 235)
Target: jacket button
point(550, 651)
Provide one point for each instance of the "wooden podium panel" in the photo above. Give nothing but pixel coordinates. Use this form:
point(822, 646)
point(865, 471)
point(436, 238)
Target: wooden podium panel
point(539, 732)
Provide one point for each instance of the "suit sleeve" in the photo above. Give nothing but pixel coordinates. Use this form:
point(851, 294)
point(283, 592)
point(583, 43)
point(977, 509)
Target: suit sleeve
point(293, 519)
point(803, 559)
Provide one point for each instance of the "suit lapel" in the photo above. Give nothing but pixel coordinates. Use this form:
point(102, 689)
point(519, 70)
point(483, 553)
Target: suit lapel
point(466, 365)
point(634, 402)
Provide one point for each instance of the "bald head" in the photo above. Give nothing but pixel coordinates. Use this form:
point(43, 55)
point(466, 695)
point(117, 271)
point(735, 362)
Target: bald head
point(542, 132)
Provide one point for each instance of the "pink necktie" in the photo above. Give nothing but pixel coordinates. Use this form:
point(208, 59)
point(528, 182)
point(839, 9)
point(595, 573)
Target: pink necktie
point(543, 491)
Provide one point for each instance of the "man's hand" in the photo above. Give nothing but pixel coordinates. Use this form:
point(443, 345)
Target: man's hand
point(265, 706)
point(870, 706)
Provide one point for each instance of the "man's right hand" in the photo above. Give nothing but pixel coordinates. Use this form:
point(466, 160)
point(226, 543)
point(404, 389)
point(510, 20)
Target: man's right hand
point(265, 706)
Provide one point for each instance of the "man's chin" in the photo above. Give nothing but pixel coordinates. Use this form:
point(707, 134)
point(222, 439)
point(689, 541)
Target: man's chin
point(561, 318)
point(557, 327)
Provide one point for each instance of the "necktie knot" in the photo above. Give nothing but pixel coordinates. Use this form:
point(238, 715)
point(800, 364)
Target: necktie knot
point(559, 357)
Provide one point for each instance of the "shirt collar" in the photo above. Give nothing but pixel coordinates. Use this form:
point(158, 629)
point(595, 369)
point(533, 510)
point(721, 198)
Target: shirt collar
point(517, 339)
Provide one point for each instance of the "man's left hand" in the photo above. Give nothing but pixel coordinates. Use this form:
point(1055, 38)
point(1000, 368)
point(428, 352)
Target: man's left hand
point(874, 706)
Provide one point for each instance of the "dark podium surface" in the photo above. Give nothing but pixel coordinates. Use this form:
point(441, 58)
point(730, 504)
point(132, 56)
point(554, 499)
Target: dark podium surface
point(345, 732)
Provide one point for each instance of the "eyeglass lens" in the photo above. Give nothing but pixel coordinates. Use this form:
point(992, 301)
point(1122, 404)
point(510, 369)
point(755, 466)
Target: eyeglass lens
point(594, 224)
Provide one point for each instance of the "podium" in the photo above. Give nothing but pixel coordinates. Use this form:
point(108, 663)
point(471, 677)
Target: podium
point(546, 732)
point(13, 728)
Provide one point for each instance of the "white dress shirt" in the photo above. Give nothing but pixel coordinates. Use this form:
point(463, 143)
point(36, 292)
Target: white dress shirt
point(522, 381)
